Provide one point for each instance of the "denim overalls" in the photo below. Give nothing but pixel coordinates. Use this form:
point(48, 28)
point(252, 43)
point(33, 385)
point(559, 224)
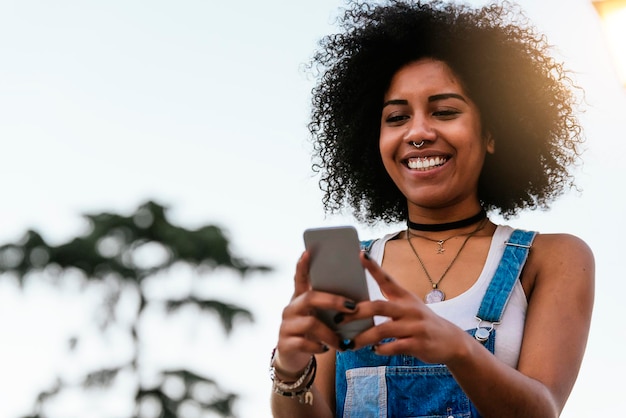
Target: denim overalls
point(370, 385)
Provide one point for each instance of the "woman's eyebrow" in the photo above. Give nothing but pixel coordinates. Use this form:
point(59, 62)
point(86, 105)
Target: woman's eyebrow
point(433, 98)
point(444, 96)
point(396, 102)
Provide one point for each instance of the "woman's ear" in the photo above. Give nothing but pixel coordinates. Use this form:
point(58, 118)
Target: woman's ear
point(491, 143)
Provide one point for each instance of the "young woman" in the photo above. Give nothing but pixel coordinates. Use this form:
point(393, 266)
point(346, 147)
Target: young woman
point(437, 114)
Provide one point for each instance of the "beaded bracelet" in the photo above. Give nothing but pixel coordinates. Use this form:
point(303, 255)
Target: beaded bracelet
point(301, 388)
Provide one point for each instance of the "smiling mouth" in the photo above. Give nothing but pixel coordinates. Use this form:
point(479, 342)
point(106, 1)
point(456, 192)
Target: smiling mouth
point(427, 163)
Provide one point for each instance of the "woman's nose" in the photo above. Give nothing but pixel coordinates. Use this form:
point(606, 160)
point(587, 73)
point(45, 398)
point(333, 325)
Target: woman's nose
point(419, 129)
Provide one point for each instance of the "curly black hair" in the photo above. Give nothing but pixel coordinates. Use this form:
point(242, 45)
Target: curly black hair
point(525, 98)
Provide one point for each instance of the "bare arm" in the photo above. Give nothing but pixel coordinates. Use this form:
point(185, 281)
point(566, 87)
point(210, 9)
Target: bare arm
point(560, 279)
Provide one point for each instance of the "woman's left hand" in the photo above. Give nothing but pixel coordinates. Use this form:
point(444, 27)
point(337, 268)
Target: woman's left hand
point(415, 328)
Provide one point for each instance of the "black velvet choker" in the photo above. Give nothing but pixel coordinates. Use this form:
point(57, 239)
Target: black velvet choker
point(448, 225)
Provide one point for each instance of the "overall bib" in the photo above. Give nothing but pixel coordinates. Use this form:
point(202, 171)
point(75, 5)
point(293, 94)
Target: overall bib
point(401, 386)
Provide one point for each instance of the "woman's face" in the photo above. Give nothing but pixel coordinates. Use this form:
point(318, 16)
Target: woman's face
point(426, 102)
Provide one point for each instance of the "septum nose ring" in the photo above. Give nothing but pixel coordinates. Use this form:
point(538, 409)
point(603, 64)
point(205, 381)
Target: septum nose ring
point(416, 145)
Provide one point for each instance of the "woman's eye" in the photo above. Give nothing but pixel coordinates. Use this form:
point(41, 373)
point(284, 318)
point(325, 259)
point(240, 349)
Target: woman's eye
point(446, 114)
point(396, 118)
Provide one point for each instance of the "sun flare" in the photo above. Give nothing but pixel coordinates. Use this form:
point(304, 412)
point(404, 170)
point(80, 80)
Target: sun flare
point(613, 15)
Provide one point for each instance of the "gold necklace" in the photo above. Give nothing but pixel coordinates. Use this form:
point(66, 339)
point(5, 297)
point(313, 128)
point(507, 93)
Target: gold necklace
point(436, 294)
point(440, 242)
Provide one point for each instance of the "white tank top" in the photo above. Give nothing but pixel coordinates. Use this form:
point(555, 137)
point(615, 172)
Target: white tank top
point(461, 310)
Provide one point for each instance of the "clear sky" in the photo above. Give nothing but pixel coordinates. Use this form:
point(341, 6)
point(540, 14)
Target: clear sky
point(203, 105)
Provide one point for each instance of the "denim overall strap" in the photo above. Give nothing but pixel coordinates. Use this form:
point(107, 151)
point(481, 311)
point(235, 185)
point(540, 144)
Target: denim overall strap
point(507, 274)
point(367, 245)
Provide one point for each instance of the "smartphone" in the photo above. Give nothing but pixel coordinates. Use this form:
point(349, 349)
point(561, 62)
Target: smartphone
point(335, 268)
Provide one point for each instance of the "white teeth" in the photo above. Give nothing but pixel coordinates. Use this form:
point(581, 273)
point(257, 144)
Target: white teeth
point(425, 163)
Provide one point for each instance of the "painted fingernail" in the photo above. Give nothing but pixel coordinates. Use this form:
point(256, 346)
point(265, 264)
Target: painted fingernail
point(338, 318)
point(346, 344)
point(350, 305)
point(325, 348)
point(373, 348)
point(366, 255)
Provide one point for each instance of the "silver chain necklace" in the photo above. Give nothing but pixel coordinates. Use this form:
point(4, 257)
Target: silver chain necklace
point(436, 294)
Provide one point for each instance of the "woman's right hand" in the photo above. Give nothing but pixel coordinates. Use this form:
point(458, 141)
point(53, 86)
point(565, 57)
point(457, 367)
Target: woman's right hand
point(301, 333)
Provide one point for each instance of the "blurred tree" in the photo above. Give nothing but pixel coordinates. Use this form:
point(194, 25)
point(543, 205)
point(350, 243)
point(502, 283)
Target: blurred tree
point(108, 254)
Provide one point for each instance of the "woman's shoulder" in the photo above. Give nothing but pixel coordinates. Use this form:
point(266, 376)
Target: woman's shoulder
point(563, 245)
point(558, 258)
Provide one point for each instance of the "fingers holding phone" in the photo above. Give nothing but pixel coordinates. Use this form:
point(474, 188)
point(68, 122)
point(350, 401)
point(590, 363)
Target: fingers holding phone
point(328, 283)
point(302, 333)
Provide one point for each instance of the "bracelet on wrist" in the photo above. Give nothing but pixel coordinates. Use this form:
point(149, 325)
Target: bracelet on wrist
point(301, 387)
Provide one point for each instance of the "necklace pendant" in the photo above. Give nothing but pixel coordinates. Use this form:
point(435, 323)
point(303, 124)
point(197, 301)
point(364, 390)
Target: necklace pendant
point(435, 296)
point(440, 250)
